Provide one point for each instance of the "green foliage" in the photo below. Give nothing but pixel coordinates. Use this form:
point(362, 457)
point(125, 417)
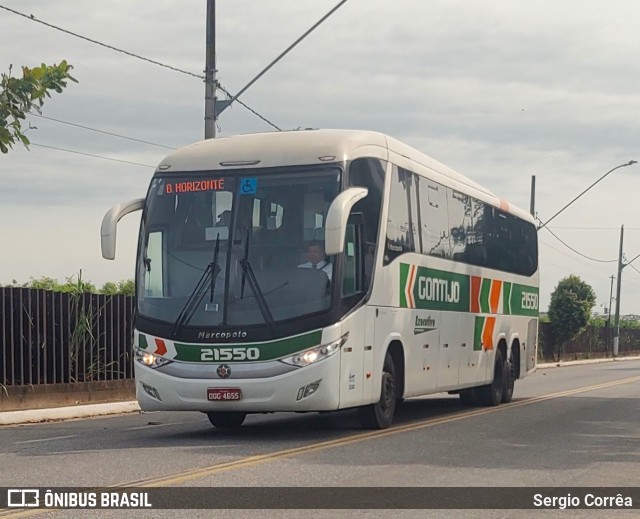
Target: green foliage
point(598, 322)
point(570, 309)
point(18, 96)
point(124, 286)
point(77, 286)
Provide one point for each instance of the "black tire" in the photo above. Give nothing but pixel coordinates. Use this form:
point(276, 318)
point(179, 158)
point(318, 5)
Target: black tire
point(509, 378)
point(380, 415)
point(227, 419)
point(491, 394)
point(468, 397)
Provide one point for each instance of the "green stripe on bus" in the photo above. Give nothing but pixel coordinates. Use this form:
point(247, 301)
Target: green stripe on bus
point(506, 298)
point(477, 333)
point(485, 290)
point(268, 350)
point(404, 274)
point(448, 291)
point(142, 341)
point(524, 300)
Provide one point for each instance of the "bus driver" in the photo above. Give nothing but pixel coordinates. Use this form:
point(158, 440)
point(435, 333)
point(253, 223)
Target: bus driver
point(317, 259)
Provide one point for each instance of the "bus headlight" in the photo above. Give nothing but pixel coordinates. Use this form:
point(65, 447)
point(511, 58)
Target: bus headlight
point(150, 360)
point(316, 354)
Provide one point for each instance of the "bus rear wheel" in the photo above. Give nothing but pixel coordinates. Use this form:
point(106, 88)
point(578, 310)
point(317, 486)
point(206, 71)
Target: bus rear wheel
point(380, 415)
point(491, 394)
point(226, 419)
point(509, 378)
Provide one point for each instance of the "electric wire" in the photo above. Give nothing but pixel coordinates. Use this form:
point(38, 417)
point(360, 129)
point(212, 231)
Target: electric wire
point(630, 265)
point(133, 55)
point(103, 131)
point(250, 109)
point(90, 155)
point(597, 228)
point(578, 252)
point(111, 47)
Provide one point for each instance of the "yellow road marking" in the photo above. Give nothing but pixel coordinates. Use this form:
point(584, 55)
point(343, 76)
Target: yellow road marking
point(251, 461)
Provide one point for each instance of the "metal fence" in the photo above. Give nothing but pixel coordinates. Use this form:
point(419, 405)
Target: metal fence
point(57, 338)
point(53, 337)
point(592, 343)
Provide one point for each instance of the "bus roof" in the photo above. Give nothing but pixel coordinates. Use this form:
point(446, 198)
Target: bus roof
point(304, 147)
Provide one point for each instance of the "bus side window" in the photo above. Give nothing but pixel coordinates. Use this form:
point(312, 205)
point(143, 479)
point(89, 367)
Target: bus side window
point(351, 281)
point(369, 173)
point(400, 225)
point(459, 222)
point(434, 225)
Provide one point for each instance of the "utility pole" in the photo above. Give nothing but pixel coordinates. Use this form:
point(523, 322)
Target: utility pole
point(210, 74)
point(616, 331)
point(532, 203)
point(609, 312)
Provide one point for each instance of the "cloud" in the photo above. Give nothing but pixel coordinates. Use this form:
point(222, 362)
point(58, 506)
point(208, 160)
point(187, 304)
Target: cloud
point(498, 90)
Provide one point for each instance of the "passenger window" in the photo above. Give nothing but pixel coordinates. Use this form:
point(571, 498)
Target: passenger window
point(459, 222)
point(433, 219)
point(399, 221)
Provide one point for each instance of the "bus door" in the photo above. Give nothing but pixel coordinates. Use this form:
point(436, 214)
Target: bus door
point(357, 354)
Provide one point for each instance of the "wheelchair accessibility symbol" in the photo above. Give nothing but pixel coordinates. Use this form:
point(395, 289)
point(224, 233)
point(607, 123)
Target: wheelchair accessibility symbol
point(248, 186)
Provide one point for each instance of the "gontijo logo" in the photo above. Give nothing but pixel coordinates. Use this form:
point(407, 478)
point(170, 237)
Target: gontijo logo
point(431, 289)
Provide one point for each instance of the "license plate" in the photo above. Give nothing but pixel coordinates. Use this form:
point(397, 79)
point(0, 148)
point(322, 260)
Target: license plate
point(222, 394)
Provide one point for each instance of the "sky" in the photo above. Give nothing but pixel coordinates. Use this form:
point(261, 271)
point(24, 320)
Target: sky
point(498, 90)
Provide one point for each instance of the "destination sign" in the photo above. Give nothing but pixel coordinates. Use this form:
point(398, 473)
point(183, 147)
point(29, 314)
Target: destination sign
point(194, 186)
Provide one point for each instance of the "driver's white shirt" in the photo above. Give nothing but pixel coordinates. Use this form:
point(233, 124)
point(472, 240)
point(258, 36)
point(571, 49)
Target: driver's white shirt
point(322, 265)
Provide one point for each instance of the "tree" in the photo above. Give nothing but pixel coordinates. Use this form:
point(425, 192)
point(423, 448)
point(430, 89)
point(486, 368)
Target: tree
point(18, 96)
point(125, 287)
point(570, 310)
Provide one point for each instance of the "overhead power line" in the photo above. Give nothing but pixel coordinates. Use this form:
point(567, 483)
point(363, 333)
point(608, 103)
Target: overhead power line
point(91, 155)
point(133, 55)
point(111, 47)
point(630, 265)
point(103, 131)
point(250, 109)
point(578, 252)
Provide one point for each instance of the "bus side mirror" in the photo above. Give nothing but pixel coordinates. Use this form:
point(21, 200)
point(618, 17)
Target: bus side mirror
point(109, 226)
point(337, 217)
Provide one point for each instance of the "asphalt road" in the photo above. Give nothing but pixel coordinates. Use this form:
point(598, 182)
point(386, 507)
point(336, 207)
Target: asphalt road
point(567, 427)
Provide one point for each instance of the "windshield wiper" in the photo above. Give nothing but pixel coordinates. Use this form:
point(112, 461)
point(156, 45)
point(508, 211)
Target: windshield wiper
point(209, 277)
point(248, 275)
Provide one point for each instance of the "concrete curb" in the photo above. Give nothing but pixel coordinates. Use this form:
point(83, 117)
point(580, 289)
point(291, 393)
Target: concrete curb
point(65, 413)
point(563, 364)
point(90, 410)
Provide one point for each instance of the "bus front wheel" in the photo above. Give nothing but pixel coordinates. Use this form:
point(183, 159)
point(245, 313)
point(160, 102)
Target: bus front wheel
point(227, 419)
point(380, 415)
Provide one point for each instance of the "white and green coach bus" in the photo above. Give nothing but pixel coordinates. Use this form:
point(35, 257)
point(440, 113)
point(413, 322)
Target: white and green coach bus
point(429, 284)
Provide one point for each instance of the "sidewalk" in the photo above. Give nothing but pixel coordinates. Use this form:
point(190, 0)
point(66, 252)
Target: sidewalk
point(86, 411)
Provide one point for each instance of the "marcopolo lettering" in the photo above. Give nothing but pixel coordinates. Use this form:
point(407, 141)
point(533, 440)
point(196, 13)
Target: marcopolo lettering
point(222, 335)
point(440, 290)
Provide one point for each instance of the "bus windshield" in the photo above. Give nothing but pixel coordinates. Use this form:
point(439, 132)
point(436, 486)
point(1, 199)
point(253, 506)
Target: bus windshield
point(230, 249)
